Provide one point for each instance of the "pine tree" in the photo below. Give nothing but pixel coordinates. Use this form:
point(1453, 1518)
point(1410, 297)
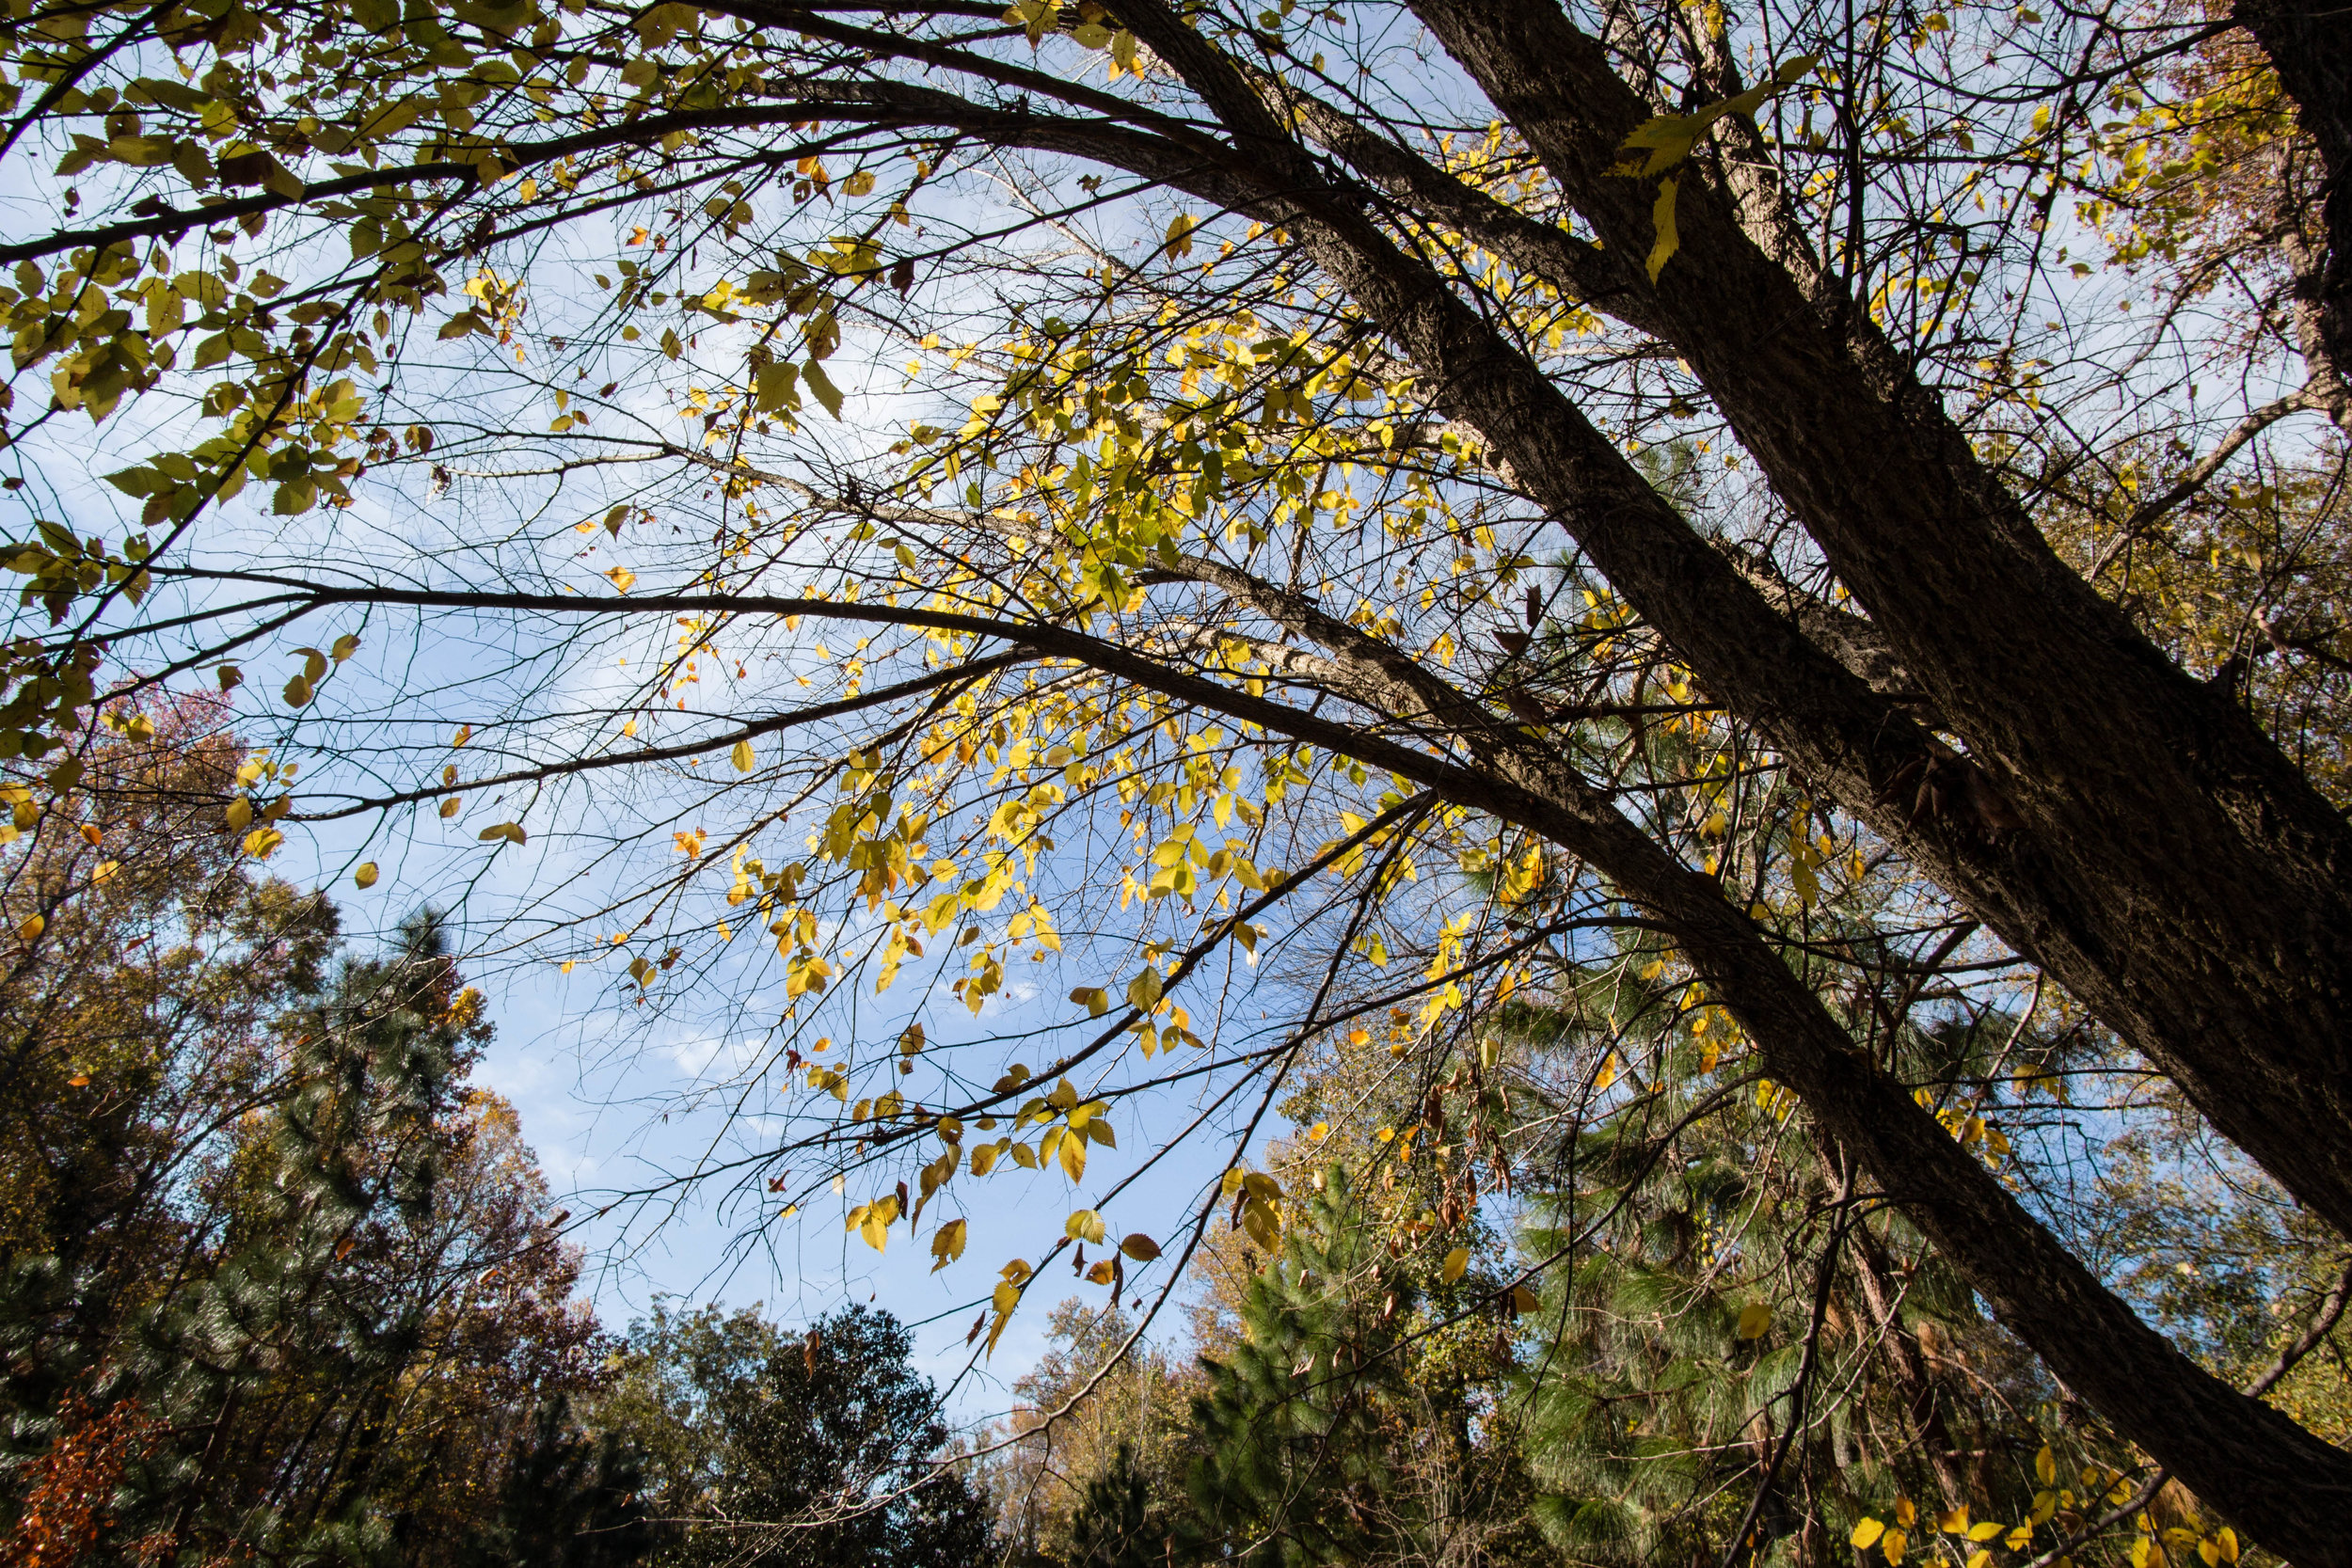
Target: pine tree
point(1296, 1471)
point(568, 1500)
point(310, 1301)
point(1696, 1226)
point(1118, 1523)
point(339, 1361)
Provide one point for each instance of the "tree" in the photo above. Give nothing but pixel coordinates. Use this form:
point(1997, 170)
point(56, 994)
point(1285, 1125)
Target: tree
point(138, 1016)
point(772, 1448)
point(1115, 1524)
point(384, 1302)
point(1737, 1345)
point(566, 1500)
point(1095, 1412)
point(1294, 1467)
point(275, 1277)
point(1273, 488)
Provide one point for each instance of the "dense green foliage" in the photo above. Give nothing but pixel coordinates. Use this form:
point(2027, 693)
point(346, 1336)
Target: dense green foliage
point(772, 1448)
point(1289, 1466)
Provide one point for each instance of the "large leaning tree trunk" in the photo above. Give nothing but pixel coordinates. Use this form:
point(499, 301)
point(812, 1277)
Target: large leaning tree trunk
point(2150, 844)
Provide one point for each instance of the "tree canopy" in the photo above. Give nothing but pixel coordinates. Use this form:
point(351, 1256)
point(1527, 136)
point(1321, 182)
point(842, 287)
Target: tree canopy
point(1314, 524)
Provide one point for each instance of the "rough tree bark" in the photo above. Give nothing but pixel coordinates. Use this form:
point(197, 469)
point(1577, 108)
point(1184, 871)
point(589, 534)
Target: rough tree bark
point(2167, 862)
point(2309, 45)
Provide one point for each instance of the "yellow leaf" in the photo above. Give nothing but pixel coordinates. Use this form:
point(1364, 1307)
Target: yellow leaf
point(2226, 1539)
point(947, 1243)
point(622, 577)
point(103, 870)
point(91, 833)
point(260, 841)
point(1141, 1248)
point(1984, 1532)
point(450, 807)
point(1457, 1262)
point(820, 383)
point(240, 814)
point(1755, 1318)
point(1905, 1515)
point(79, 1080)
point(1083, 1225)
point(1523, 1300)
point(365, 875)
point(511, 831)
point(1663, 215)
point(1954, 1522)
point(1143, 992)
point(1073, 1158)
point(2045, 1465)
point(1866, 1533)
point(1891, 1543)
point(741, 757)
point(32, 926)
point(297, 691)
